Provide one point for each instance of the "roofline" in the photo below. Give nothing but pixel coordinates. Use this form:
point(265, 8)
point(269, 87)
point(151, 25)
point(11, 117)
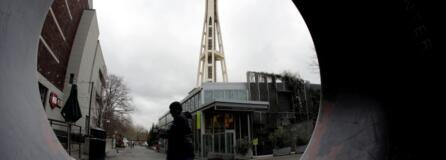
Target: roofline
point(217, 102)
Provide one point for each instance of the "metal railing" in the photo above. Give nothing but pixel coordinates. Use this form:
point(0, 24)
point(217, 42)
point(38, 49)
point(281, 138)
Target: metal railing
point(68, 135)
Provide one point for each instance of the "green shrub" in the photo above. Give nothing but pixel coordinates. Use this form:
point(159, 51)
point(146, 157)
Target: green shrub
point(281, 138)
point(243, 145)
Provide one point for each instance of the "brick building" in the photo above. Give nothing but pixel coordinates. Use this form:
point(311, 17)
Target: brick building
point(69, 45)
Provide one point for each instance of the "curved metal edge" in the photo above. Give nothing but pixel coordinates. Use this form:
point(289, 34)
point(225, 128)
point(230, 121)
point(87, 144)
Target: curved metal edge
point(351, 127)
point(25, 132)
point(356, 120)
point(379, 63)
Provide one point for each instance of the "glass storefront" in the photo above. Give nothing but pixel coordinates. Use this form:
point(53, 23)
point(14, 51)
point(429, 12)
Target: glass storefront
point(222, 131)
point(217, 131)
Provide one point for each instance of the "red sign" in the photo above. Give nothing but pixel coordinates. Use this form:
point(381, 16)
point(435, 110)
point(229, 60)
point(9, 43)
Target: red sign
point(53, 100)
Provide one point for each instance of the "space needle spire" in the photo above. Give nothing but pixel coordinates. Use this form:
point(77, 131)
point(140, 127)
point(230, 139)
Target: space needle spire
point(211, 49)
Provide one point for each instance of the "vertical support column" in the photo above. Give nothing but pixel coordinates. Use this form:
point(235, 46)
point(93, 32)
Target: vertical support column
point(210, 41)
point(218, 37)
point(202, 131)
point(234, 142)
point(267, 87)
point(249, 127)
point(248, 79)
point(240, 124)
point(257, 86)
point(69, 138)
point(213, 133)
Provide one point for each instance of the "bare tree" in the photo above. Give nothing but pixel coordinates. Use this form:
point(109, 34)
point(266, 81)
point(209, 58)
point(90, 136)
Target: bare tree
point(133, 132)
point(116, 102)
point(139, 133)
point(122, 124)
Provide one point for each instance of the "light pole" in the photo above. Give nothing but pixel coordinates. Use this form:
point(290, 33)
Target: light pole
point(91, 85)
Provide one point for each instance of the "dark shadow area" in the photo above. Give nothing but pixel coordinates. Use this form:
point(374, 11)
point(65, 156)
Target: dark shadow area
point(379, 64)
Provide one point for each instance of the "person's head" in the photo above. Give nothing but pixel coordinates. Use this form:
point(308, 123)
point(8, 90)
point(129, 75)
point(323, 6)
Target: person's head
point(175, 108)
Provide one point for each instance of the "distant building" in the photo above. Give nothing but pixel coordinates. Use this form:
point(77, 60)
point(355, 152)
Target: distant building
point(68, 45)
point(290, 103)
point(221, 111)
point(226, 113)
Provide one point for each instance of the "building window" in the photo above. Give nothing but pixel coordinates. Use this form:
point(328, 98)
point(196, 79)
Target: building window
point(197, 103)
point(43, 92)
point(208, 96)
point(209, 44)
point(210, 20)
point(192, 107)
point(209, 58)
point(192, 104)
point(102, 80)
point(210, 32)
point(209, 72)
point(279, 84)
point(230, 95)
point(198, 100)
point(219, 95)
point(189, 103)
point(243, 95)
point(186, 105)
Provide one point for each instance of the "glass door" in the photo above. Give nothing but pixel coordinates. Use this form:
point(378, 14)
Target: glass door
point(229, 141)
point(207, 144)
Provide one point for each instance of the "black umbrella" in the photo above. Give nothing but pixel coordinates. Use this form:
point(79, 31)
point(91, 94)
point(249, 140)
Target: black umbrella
point(71, 112)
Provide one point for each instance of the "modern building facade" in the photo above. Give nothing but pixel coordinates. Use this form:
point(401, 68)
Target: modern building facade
point(225, 114)
point(222, 116)
point(229, 115)
point(69, 47)
point(293, 102)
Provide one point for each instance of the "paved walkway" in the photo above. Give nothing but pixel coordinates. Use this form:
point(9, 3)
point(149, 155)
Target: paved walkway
point(142, 153)
point(137, 153)
point(287, 157)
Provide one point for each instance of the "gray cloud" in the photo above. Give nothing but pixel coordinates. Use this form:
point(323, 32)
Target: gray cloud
point(154, 45)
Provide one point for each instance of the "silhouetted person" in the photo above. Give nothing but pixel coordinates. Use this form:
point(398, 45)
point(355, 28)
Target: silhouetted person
point(189, 137)
point(178, 145)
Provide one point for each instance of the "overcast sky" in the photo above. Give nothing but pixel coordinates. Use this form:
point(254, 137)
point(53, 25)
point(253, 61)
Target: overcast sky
point(154, 45)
